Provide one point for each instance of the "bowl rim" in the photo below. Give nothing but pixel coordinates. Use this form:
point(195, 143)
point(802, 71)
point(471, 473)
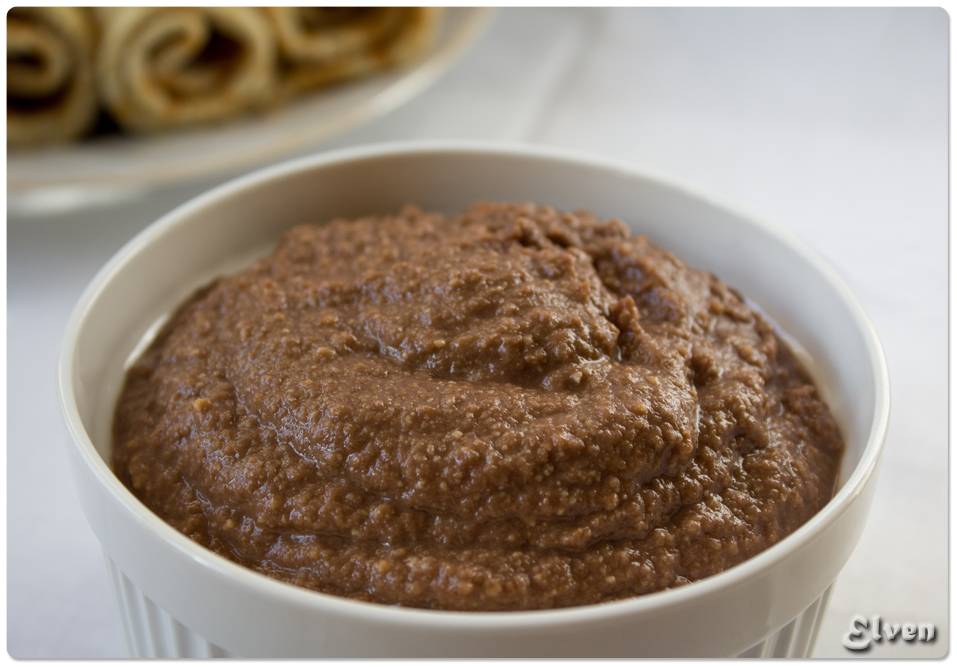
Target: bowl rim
point(464, 620)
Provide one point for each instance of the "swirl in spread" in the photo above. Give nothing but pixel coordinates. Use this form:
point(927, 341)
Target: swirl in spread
point(511, 408)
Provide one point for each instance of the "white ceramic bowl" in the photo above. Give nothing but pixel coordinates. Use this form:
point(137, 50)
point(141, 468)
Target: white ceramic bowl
point(179, 599)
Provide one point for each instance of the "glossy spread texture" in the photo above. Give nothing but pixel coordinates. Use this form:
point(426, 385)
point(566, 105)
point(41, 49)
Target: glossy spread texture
point(511, 408)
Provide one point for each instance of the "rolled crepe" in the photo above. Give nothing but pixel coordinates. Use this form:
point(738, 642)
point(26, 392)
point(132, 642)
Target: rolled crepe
point(323, 45)
point(161, 67)
point(50, 92)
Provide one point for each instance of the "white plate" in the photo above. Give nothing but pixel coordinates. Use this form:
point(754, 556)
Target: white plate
point(105, 168)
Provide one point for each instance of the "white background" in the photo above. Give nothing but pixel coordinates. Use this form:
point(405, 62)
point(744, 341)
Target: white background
point(832, 123)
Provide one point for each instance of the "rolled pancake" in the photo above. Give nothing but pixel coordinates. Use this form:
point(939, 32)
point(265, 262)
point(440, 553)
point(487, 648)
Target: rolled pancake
point(323, 45)
point(161, 67)
point(50, 91)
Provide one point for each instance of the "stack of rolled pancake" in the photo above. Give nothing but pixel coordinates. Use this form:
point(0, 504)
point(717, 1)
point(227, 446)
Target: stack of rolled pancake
point(150, 68)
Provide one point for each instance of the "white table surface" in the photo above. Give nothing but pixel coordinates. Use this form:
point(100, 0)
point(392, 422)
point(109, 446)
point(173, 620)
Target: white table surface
point(829, 122)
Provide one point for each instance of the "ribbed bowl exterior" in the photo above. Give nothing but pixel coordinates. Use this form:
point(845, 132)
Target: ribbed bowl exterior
point(797, 638)
point(152, 632)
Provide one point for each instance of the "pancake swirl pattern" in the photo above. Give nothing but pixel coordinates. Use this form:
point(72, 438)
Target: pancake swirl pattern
point(73, 72)
point(50, 88)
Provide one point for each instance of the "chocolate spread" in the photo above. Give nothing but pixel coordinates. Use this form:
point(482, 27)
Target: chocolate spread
point(511, 408)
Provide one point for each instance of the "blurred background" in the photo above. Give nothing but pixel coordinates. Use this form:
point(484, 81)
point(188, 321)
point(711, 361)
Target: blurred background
point(831, 123)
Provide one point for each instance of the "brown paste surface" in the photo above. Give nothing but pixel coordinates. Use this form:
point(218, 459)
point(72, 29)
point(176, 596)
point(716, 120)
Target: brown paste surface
point(512, 408)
